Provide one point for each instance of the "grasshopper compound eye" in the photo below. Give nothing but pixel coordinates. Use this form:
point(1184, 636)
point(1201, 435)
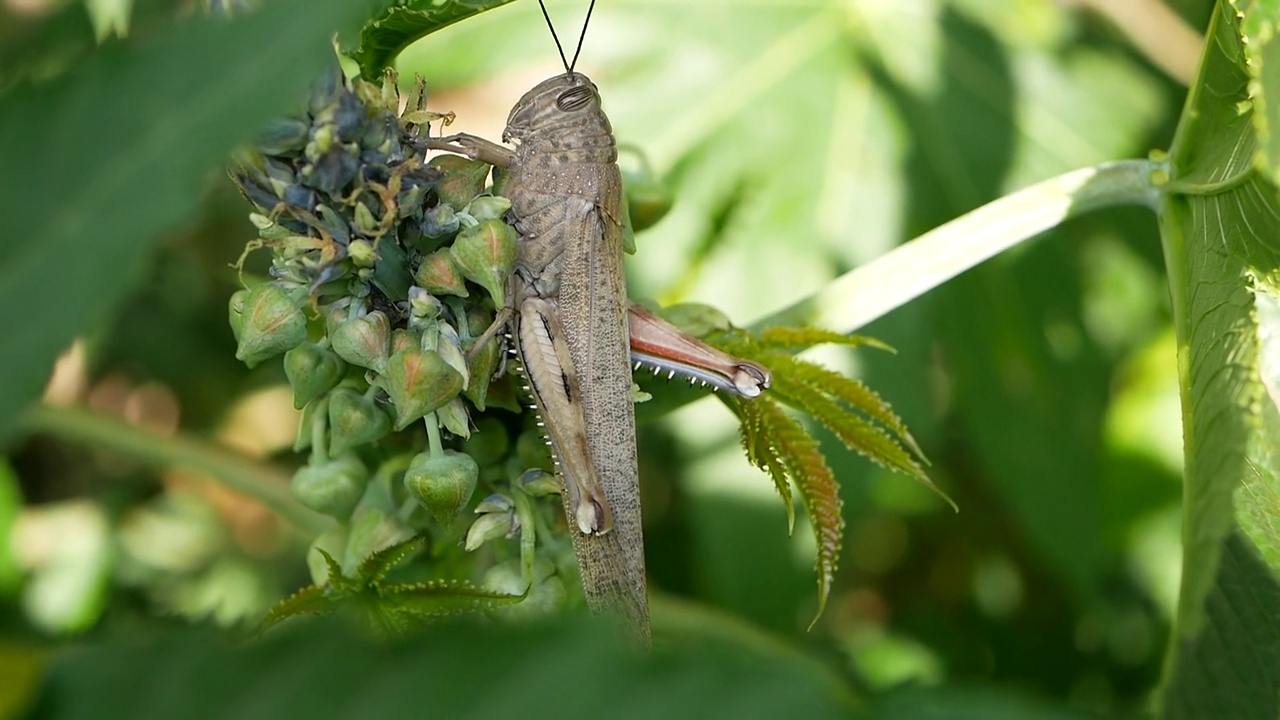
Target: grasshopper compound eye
point(574, 99)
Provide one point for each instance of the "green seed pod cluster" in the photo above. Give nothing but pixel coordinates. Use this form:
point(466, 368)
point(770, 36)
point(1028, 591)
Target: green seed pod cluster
point(385, 267)
point(376, 254)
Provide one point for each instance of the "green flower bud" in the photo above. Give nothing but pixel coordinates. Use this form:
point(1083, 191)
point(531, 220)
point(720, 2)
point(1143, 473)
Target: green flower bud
point(483, 361)
point(453, 416)
point(439, 221)
point(648, 199)
point(312, 372)
point(423, 305)
point(363, 341)
point(442, 484)
point(495, 503)
point(354, 420)
point(269, 229)
point(486, 254)
point(372, 529)
point(335, 315)
point(235, 312)
point(488, 207)
point(489, 443)
point(390, 91)
point(283, 136)
point(402, 338)
point(365, 222)
point(322, 140)
point(333, 488)
point(271, 323)
point(419, 381)
point(361, 251)
point(538, 483)
point(331, 541)
point(440, 276)
point(450, 348)
point(309, 414)
point(464, 179)
point(488, 527)
point(500, 181)
point(547, 596)
point(480, 373)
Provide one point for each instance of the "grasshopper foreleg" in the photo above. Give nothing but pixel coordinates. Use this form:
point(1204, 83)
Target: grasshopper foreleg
point(474, 147)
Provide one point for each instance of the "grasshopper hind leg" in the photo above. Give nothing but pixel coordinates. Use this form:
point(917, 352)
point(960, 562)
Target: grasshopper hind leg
point(557, 397)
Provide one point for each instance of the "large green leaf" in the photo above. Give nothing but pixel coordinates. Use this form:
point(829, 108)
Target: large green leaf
point(101, 161)
point(1221, 221)
point(395, 27)
point(579, 670)
point(1029, 383)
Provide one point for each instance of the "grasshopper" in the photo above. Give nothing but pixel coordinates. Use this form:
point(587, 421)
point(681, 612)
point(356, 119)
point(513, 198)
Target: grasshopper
point(575, 333)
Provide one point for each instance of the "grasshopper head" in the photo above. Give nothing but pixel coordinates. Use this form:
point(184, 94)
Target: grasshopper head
point(564, 99)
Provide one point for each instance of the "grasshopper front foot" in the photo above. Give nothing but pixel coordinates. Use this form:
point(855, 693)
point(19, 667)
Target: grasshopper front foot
point(475, 148)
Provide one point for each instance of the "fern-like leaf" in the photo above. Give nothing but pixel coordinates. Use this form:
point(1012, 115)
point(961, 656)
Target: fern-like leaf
point(796, 450)
point(446, 597)
point(375, 567)
point(756, 442)
point(779, 360)
point(387, 609)
point(308, 601)
point(847, 390)
point(856, 433)
point(779, 445)
point(796, 339)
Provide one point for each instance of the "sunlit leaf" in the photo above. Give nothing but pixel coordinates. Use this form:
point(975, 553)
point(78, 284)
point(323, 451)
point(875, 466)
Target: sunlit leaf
point(162, 111)
point(397, 26)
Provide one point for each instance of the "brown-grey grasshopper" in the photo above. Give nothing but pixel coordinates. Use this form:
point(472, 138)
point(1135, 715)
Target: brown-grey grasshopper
point(574, 331)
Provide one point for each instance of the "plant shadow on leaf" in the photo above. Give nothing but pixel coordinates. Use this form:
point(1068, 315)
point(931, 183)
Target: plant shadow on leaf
point(570, 669)
point(991, 320)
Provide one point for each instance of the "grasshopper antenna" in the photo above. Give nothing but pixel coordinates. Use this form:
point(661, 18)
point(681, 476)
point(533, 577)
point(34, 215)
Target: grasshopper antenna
point(568, 65)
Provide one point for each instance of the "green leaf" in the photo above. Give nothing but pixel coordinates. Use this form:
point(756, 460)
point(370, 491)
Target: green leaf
point(966, 703)
point(565, 671)
point(755, 440)
point(795, 339)
point(1220, 222)
point(307, 601)
point(120, 146)
point(1229, 669)
point(798, 452)
point(383, 37)
point(10, 507)
point(375, 567)
point(1262, 60)
point(387, 609)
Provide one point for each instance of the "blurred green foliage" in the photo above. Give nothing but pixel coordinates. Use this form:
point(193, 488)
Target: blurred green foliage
point(801, 139)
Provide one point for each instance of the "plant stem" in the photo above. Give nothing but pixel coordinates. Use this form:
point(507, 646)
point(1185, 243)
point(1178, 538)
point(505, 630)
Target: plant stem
point(913, 268)
point(258, 480)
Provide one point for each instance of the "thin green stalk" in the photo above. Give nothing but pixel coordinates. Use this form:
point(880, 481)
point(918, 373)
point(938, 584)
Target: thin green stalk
point(912, 269)
point(263, 483)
